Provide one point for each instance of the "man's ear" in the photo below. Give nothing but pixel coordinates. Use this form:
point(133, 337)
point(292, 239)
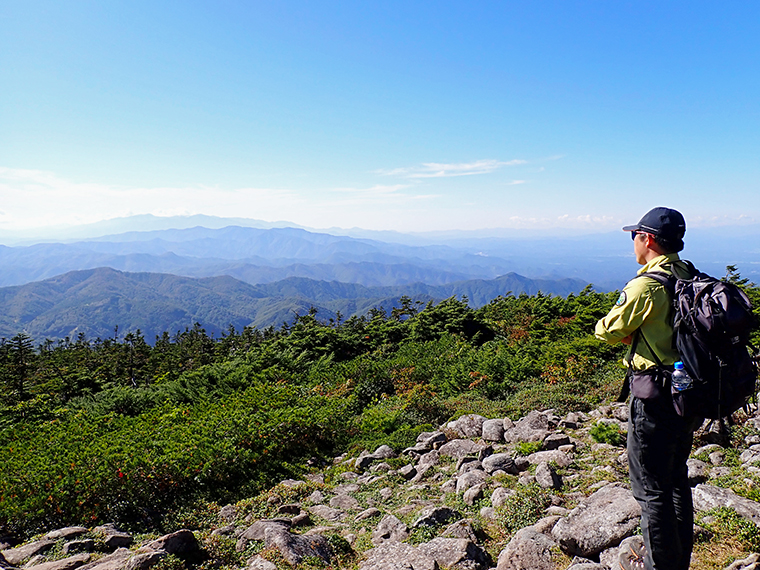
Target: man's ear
point(652, 244)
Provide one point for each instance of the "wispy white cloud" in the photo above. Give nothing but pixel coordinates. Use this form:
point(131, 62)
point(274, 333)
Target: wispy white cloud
point(446, 170)
point(516, 182)
point(379, 194)
point(33, 198)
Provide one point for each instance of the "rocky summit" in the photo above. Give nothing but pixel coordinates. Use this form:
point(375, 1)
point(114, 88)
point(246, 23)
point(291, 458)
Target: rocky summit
point(541, 492)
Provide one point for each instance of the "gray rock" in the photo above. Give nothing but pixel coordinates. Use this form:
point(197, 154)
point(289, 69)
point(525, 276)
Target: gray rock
point(528, 550)
point(345, 503)
point(570, 421)
point(74, 546)
point(257, 529)
point(381, 453)
point(115, 561)
point(500, 495)
point(500, 462)
point(294, 548)
point(466, 464)
point(749, 456)
point(259, 563)
point(561, 458)
point(461, 529)
point(433, 440)
point(407, 472)
point(181, 543)
point(116, 540)
point(533, 427)
point(470, 425)
point(292, 509)
point(397, 556)
point(599, 522)
point(547, 478)
point(316, 497)
point(582, 564)
point(752, 562)
point(717, 457)
point(301, 519)
point(555, 441)
point(620, 412)
point(390, 529)
point(456, 553)
point(368, 514)
point(459, 448)
point(327, 513)
point(66, 533)
point(430, 458)
point(708, 497)
point(144, 560)
point(716, 472)
point(228, 513)
point(15, 556)
point(64, 564)
point(493, 430)
point(422, 470)
point(697, 471)
point(473, 494)
point(449, 486)
point(470, 479)
point(433, 516)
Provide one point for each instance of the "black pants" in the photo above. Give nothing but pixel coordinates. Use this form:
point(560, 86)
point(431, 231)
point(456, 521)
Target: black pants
point(659, 443)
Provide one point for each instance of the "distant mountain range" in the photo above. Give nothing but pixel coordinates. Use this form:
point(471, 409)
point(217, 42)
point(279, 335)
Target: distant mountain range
point(96, 301)
point(259, 252)
point(241, 272)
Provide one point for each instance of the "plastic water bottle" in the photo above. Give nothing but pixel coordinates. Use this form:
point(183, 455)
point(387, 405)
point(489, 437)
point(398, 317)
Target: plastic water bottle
point(680, 379)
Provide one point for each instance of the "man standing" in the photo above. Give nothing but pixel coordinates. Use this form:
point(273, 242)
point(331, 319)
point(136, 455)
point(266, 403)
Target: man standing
point(659, 440)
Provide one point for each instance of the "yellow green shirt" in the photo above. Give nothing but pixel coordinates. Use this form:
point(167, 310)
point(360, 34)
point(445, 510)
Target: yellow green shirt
point(645, 304)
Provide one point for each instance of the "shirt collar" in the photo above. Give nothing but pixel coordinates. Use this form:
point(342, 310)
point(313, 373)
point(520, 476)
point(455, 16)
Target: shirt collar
point(659, 260)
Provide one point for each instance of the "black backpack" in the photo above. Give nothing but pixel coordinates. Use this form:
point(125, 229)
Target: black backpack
point(712, 323)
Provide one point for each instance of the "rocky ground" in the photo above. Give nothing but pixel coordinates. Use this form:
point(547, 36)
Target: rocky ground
point(541, 493)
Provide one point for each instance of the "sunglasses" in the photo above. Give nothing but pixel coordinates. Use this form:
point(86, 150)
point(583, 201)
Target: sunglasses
point(635, 233)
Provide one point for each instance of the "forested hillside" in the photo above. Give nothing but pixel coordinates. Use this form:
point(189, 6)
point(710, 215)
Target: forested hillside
point(118, 430)
point(95, 302)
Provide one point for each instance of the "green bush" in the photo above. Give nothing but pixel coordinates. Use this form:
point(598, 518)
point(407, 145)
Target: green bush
point(523, 508)
point(607, 433)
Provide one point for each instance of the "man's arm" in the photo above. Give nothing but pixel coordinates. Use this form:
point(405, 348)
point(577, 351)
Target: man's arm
point(630, 311)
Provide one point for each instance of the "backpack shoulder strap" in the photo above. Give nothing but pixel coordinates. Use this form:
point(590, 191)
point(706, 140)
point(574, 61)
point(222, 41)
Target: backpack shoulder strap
point(665, 279)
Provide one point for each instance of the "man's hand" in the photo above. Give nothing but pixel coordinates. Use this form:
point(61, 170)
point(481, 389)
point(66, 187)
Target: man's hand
point(627, 340)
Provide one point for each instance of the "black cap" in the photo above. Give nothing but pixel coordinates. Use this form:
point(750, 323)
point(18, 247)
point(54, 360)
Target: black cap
point(663, 222)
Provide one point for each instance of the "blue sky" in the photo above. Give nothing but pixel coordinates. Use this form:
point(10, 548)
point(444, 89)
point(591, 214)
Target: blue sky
point(409, 116)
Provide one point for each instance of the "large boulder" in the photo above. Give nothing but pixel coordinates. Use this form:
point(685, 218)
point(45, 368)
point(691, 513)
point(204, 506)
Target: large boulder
point(381, 453)
point(493, 430)
point(295, 547)
point(599, 522)
point(181, 543)
point(460, 448)
point(390, 529)
point(707, 497)
point(66, 533)
point(528, 550)
point(533, 427)
point(470, 425)
point(433, 516)
point(69, 563)
point(15, 556)
point(397, 556)
point(456, 553)
point(500, 462)
point(115, 561)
